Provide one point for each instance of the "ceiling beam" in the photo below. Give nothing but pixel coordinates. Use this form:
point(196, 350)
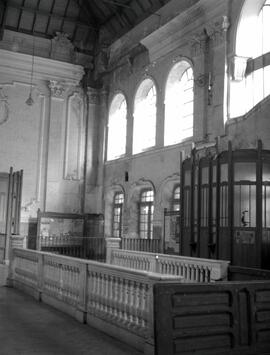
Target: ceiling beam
point(3, 8)
point(37, 12)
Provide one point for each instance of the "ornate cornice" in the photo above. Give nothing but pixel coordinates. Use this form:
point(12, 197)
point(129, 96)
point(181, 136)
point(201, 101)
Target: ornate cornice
point(19, 65)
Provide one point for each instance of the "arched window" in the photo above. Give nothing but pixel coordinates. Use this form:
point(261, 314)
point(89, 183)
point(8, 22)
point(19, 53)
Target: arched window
point(118, 214)
point(117, 125)
point(251, 67)
point(144, 125)
point(146, 211)
point(176, 199)
point(179, 104)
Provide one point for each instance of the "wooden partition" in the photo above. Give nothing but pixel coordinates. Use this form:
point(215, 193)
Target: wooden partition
point(213, 319)
point(77, 235)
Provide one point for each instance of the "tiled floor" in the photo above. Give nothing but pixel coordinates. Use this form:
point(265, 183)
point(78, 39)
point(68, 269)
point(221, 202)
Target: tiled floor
point(28, 327)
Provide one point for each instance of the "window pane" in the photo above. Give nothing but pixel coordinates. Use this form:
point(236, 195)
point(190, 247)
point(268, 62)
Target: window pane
point(144, 125)
point(117, 128)
point(179, 104)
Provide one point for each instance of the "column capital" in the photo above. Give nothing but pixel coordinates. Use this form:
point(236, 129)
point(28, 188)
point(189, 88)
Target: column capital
point(93, 95)
point(57, 88)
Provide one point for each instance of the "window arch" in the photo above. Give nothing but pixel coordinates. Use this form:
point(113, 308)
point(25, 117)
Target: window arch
point(118, 214)
point(144, 124)
point(179, 99)
point(251, 67)
point(117, 125)
point(146, 211)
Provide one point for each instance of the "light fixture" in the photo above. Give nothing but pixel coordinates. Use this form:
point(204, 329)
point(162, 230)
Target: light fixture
point(30, 100)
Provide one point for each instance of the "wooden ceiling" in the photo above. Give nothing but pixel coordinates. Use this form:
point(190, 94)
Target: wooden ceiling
point(83, 20)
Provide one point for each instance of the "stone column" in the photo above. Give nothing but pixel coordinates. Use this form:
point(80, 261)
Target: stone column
point(91, 148)
point(111, 243)
point(103, 116)
point(55, 146)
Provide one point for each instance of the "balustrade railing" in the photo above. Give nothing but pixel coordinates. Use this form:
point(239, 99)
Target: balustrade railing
point(79, 247)
point(191, 269)
point(91, 291)
point(139, 244)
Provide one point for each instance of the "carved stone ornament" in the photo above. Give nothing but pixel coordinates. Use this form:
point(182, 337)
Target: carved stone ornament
point(57, 88)
point(61, 39)
point(93, 96)
point(4, 107)
point(214, 31)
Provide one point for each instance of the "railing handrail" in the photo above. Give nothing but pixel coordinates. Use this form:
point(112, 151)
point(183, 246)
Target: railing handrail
point(173, 257)
point(194, 269)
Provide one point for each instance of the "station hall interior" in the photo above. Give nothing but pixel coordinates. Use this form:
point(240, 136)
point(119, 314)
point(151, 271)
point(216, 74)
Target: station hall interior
point(144, 122)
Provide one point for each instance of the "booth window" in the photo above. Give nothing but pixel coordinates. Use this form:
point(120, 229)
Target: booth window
point(146, 210)
point(116, 146)
point(176, 199)
point(144, 124)
point(179, 100)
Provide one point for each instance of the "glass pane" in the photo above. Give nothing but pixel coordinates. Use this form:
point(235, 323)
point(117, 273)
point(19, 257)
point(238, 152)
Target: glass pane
point(223, 172)
point(245, 206)
point(266, 172)
point(245, 171)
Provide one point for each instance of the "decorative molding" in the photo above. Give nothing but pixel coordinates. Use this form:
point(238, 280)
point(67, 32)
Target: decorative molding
point(217, 30)
point(93, 96)
point(4, 107)
point(213, 33)
point(18, 65)
point(57, 88)
point(61, 47)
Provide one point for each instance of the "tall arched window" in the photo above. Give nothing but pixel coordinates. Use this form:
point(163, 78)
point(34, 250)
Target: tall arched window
point(179, 104)
point(146, 211)
point(116, 146)
point(118, 214)
point(144, 125)
point(251, 67)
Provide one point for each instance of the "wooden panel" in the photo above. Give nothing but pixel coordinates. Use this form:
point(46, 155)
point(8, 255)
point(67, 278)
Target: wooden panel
point(221, 318)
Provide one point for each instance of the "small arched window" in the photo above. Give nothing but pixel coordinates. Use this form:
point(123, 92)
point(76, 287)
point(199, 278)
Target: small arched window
point(144, 124)
point(250, 82)
point(179, 99)
point(146, 211)
point(118, 214)
point(116, 145)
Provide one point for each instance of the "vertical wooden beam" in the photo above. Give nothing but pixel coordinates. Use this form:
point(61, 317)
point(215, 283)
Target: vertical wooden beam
point(230, 197)
point(259, 177)
point(8, 216)
point(217, 206)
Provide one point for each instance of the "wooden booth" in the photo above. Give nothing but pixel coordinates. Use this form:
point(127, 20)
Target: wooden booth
point(225, 206)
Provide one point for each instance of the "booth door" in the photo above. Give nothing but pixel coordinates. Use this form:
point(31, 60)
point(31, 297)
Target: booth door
point(244, 215)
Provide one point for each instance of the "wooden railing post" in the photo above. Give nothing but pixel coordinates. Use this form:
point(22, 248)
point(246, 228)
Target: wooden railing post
point(40, 276)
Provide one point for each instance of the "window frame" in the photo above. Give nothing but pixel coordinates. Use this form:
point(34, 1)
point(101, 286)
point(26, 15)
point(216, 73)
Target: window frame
point(117, 232)
point(149, 214)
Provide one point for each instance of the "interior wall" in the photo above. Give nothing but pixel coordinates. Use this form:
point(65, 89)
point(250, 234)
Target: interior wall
point(46, 139)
